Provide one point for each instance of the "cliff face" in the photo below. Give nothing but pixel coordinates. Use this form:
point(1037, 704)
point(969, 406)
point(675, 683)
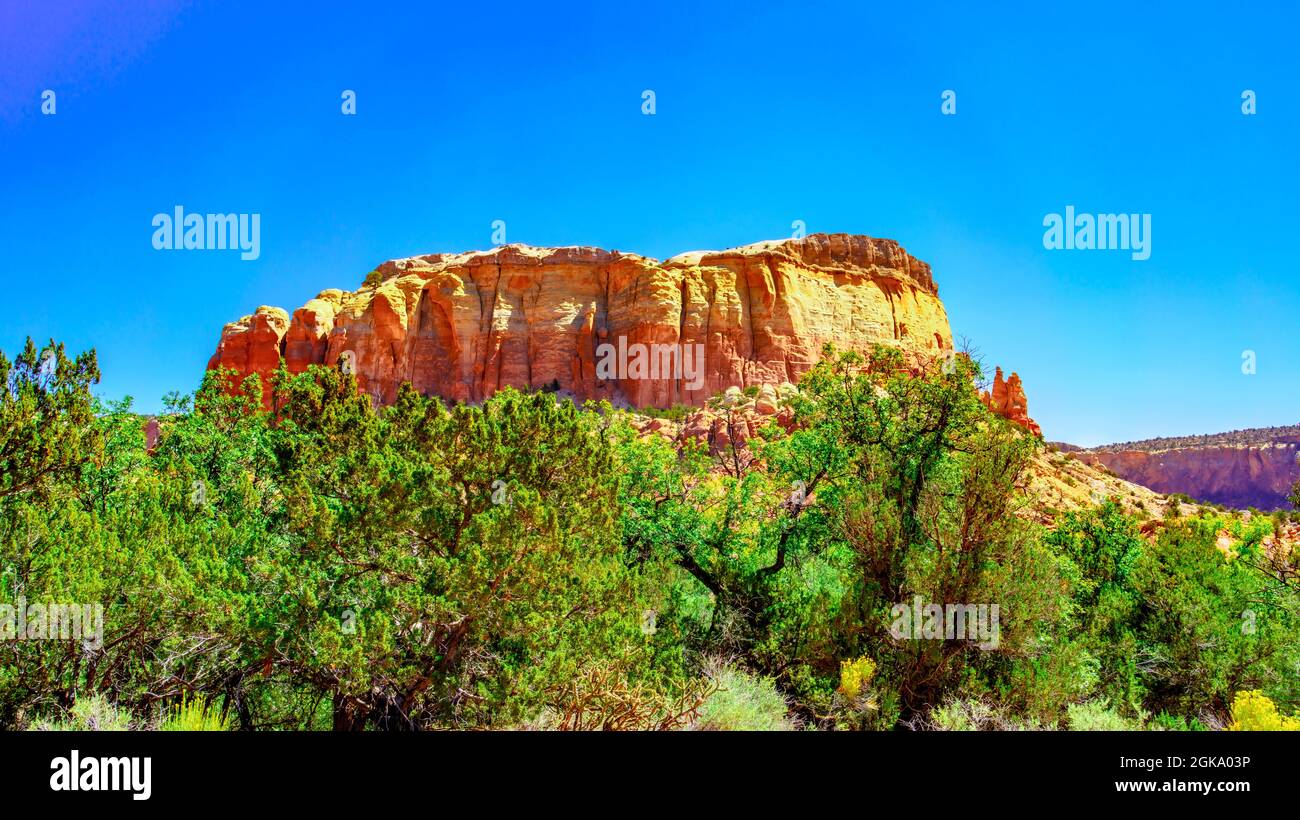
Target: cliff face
point(463, 326)
point(1255, 475)
point(253, 344)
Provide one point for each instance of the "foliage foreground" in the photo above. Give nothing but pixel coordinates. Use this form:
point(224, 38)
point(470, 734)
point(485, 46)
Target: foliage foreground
point(531, 564)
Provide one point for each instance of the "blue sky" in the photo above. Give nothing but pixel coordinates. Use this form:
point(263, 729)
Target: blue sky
point(830, 114)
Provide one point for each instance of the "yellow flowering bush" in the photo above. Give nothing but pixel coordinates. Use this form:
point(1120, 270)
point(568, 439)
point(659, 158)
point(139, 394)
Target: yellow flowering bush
point(854, 675)
point(1253, 711)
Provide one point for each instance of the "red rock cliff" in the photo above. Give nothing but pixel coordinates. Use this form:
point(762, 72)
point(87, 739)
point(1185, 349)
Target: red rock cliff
point(1258, 475)
point(464, 325)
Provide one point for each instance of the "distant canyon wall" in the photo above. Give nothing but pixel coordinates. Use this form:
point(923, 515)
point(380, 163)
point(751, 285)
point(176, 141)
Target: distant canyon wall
point(1237, 476)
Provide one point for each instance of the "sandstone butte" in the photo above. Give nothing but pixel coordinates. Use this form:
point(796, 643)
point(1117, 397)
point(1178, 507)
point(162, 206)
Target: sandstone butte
point(462, 326)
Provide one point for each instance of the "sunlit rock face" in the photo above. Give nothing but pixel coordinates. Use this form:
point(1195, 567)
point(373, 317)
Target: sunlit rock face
point(588, 322)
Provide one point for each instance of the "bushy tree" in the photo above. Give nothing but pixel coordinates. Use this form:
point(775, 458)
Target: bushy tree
point(525, 562)
point(444, 566)
point(328, 564)
point(891, 482)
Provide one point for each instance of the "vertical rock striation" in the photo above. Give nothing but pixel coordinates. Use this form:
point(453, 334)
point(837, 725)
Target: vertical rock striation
point(462, 326)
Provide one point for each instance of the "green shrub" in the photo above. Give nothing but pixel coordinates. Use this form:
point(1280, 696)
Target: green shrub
point(961, 716)
point(743, 702)
point(92, 714)
point(975, 715)
point(1097, 716)
point(1165, 722)
point(194, 716)
point(676, 413)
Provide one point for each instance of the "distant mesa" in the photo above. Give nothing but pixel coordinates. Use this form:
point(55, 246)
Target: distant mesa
point(1239, 469)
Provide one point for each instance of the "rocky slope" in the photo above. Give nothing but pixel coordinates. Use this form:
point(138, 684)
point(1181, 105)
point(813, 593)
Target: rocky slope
point(1061, 482)
point(1056, 481)
point(1244, 468)
point(464, 325)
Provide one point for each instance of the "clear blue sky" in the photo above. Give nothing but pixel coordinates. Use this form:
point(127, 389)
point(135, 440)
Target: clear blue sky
point(471, 112)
